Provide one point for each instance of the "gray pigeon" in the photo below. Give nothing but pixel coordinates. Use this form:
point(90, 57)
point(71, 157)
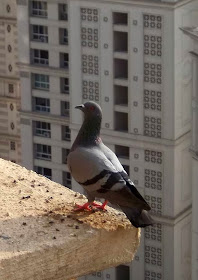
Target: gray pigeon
point(97, 169)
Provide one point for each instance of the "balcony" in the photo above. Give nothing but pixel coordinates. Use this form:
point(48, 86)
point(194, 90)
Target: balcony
point(63, 36)
point(120, 41)
point(65, 153)
point(40, 82)
point(41, 104)
point(40, 57)
point(122, 151)
point(67, 179)
point(42, 129)
point(120, 69)
point(66, 133)
point(121, 122)
point(65, 106)
point(47, 172)
point(64, 85)
point(63, 12)
point(64, 60)
point(42, 152)
point(120, 18)
point(39, 9)
point(39, 33)
point(121, 95)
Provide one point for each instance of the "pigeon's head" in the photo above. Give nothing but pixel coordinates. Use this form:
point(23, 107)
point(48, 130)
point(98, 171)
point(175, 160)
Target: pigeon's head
point(90, 110)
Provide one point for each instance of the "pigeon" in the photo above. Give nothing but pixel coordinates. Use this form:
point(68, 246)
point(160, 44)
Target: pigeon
point(97, 169)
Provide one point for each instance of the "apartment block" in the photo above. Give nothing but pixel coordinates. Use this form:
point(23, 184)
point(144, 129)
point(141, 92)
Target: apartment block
point(10, 144)
point(192, 32)
point(45, 87)
point(133, 59)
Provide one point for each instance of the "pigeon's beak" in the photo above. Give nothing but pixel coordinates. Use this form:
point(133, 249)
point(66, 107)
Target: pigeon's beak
point(80, 107)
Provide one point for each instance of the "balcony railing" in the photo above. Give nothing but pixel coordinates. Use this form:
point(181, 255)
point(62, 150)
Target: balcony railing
point(41, 61)
point(42, 155)
point(40, 38)
point(39, 13)
point(43, 132)
point(41, 108)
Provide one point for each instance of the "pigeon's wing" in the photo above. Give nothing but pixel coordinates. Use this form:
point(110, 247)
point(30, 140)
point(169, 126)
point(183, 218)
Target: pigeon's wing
point(129, 184)
point(112, 157)
point(93, 170)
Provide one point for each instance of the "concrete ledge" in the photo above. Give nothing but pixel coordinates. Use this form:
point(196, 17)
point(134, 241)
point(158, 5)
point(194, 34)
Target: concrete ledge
point(42, 238)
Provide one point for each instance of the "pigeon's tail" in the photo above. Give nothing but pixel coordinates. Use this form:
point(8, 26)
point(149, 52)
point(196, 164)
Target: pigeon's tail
point(138, 218)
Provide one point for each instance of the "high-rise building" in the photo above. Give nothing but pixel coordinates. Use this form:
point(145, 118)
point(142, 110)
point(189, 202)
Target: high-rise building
point(192, 32)
point(10, 144)
point(133, 59)
point(45, 87)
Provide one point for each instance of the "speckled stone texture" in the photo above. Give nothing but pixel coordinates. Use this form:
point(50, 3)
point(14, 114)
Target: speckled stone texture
point(42, 238)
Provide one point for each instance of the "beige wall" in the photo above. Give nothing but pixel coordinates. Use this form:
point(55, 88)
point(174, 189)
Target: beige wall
point(9, 83)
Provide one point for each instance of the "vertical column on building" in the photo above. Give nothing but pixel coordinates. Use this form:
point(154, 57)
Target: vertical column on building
point(194, 150)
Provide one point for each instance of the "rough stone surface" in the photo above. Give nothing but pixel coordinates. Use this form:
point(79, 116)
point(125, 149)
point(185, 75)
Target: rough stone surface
point(42, 238)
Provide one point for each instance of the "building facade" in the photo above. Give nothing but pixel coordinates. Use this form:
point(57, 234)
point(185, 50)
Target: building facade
point(192, 32)
point(132, 58)
point(45, 87)
point(10, 144)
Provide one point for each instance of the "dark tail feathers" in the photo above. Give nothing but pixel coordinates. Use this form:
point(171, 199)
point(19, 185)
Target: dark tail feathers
point(138, 218)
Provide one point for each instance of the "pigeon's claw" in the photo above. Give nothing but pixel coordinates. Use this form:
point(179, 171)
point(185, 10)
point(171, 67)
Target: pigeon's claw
point(86, 206)
point(98, 206)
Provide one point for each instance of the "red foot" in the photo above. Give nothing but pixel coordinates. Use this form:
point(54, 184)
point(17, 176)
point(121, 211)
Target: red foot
point(98, 206)
point(85, 206)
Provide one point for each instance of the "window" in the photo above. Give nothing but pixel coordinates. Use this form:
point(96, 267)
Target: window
point(66, 133)
point(43, 152)
point(121, 95)
point(121, 121)
point(39, 8)
point(120, 18)
point(63, 11)
point(47, 172)
point(65, 108)
point(40, 81)
point(120, 41)
point(40, 33)
point(122, 272)
point(122, 151)
point(64, 60)
point(40, 57)
point(120, 68)
point(10, 88)
point(67, 179)
point(64, 85)
point(12, 145)
point(42, 129)
point(63, 36)
point(65, 153)
point(41, 104)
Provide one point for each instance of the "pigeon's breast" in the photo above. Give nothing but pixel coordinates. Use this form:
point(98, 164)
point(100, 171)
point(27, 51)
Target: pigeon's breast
point(86, 164)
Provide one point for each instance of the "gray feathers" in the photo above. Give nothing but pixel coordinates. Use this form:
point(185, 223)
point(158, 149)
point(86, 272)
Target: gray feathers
point(94, 166)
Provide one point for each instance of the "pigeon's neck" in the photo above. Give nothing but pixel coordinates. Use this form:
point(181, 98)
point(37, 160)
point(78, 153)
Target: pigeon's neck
point(89, 134)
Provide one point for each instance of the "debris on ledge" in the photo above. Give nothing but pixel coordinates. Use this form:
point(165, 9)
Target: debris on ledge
point(42, 238)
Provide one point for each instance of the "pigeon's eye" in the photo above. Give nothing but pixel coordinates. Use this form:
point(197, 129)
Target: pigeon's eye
point(92, 108)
